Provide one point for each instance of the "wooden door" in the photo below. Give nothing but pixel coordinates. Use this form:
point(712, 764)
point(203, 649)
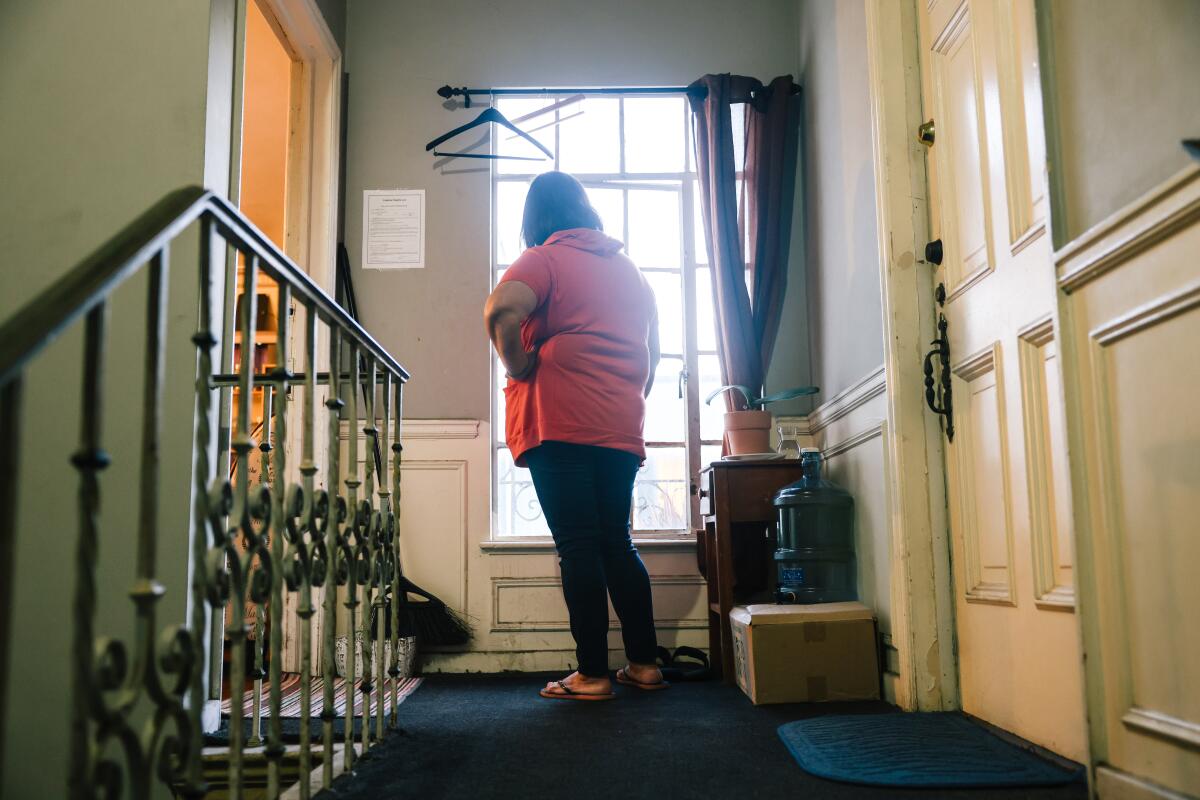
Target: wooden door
point(1007, 476)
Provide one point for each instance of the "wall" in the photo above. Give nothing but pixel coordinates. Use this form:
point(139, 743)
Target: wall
point(399, 53)
point(104, 114)
point(334, 12)
point(841, 258)
point(1123, 93)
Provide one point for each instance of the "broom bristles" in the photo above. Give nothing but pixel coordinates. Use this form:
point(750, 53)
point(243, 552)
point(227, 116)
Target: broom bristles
point(429, 619)
point(435, 623)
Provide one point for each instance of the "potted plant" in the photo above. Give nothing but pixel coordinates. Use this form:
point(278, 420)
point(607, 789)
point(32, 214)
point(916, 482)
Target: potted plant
point(748, 427)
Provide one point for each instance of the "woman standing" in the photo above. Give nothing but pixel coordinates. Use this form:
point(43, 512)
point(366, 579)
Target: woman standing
point(576, 326)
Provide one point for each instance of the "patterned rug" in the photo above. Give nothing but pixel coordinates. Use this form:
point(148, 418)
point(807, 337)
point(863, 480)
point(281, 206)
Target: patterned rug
point(289, 706)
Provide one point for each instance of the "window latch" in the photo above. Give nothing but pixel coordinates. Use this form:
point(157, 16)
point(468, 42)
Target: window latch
point(683, 377)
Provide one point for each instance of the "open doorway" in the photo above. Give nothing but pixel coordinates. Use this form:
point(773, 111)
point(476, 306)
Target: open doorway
point(285, 157)
point(262, 196)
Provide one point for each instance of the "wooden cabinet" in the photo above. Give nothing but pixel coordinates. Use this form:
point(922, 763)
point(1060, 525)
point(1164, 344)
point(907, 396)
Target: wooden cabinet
point(738, 542)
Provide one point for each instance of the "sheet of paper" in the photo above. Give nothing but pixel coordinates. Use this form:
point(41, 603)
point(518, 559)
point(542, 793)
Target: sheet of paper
point(393, 229)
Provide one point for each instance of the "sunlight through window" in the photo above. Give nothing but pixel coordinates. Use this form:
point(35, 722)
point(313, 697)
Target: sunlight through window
point(633, 155)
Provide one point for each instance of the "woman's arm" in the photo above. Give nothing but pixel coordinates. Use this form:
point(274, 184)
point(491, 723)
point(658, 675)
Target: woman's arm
point(507, 307)
point(655, 351)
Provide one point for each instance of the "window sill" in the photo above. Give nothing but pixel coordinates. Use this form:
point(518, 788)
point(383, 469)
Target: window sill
point(515, 545)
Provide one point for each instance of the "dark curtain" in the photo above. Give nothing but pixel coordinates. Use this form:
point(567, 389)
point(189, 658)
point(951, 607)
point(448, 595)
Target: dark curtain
point(747, 247)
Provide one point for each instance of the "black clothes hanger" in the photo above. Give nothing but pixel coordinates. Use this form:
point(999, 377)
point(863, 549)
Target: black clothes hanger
point(488, 115)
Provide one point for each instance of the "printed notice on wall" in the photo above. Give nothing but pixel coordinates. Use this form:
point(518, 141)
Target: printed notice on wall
point(393, 229)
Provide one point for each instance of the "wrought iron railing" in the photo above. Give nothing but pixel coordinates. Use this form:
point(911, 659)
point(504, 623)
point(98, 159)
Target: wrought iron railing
point(331, 536)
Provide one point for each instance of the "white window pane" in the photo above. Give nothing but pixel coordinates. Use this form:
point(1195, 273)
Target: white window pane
point(745, 230)
point(498, 396)
point(510, 206)
point(666, 411)
point(708, 454)
point(510, 144)
point(654, 228)
point(699, 239)
point(706, 320)
point(610, 205)
point(518, 512)
point(591, 142)
point(660, 496)
point(712, 416)
point(690, 148)
point(654, 134)
point(737, 117)
point(668, 294)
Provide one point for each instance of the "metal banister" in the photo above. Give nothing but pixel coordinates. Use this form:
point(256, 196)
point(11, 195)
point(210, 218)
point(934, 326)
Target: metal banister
point(40, 321)
point(252, 544)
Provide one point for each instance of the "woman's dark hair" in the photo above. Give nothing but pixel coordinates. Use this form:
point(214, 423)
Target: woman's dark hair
point(556, 202)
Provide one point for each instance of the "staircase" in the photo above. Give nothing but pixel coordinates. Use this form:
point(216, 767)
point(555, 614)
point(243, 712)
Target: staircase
point(318, 528)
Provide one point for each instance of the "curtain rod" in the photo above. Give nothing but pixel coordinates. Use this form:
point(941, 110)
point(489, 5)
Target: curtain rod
point(466, 93)
point(462, 91)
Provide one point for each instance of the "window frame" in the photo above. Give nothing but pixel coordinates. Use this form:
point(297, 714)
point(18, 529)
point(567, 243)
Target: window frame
point(685, 185)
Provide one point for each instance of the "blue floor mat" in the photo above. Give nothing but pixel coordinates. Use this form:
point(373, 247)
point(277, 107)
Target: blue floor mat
point(936, 750)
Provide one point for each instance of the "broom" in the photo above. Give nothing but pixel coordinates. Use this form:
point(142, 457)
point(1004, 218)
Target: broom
point(430, 620)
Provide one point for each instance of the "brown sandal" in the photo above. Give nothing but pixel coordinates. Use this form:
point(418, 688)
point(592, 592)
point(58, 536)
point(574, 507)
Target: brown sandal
point(626, 679)
point(568, 693)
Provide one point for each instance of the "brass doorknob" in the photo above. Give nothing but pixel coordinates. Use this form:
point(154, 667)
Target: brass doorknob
point(925, 134)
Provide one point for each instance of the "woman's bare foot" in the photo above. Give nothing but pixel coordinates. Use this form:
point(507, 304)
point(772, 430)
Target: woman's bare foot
point(643, 676)
point(579, 684)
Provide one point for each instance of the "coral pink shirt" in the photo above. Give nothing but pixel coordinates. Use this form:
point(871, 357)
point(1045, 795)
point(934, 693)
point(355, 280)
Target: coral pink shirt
point(591, 327)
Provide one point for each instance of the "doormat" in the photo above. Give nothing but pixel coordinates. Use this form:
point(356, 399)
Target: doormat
point(939, 750)
point(289, 707)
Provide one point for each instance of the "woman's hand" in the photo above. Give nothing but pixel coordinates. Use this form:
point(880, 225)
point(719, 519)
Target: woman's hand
point(523, 372)
point(508, 306)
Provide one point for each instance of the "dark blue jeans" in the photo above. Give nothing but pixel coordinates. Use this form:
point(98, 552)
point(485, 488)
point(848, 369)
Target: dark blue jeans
point(586, 494)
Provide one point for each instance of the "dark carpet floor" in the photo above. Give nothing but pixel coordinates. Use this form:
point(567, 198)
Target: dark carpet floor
point(482, 737)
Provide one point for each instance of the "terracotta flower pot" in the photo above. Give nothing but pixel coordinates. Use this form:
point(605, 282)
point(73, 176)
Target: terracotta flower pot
point(748, 432)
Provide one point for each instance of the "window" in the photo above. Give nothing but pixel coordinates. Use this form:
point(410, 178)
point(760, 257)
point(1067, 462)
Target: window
point(634, 156)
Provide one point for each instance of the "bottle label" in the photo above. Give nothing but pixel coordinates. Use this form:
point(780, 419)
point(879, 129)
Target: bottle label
point(792, 575)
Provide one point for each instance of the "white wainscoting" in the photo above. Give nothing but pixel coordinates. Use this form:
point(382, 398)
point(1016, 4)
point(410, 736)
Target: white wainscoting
point(850, 429)
point(1130, 326)
point(511, 594)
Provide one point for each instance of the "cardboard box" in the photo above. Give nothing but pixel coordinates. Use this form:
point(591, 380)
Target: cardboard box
point(805, 653)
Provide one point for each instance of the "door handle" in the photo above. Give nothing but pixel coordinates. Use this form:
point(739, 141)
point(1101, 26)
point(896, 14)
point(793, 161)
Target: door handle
point(933, 252)
point(940, 351)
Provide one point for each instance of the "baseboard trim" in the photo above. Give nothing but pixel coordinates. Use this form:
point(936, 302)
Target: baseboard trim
point(1115, 784)
point(544, 545)
point(518, 661)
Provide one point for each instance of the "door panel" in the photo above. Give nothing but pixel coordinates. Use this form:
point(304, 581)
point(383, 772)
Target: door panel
point(961, 135)
point(1154, 474)
point(1132, 308)
point(1020, 664)
point(1047, 471)
point(979, 464)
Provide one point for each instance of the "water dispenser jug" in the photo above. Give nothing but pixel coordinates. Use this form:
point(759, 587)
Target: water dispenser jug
point(815, 560)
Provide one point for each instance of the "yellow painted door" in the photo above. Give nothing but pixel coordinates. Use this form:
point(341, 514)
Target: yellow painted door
point(1007, 475)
